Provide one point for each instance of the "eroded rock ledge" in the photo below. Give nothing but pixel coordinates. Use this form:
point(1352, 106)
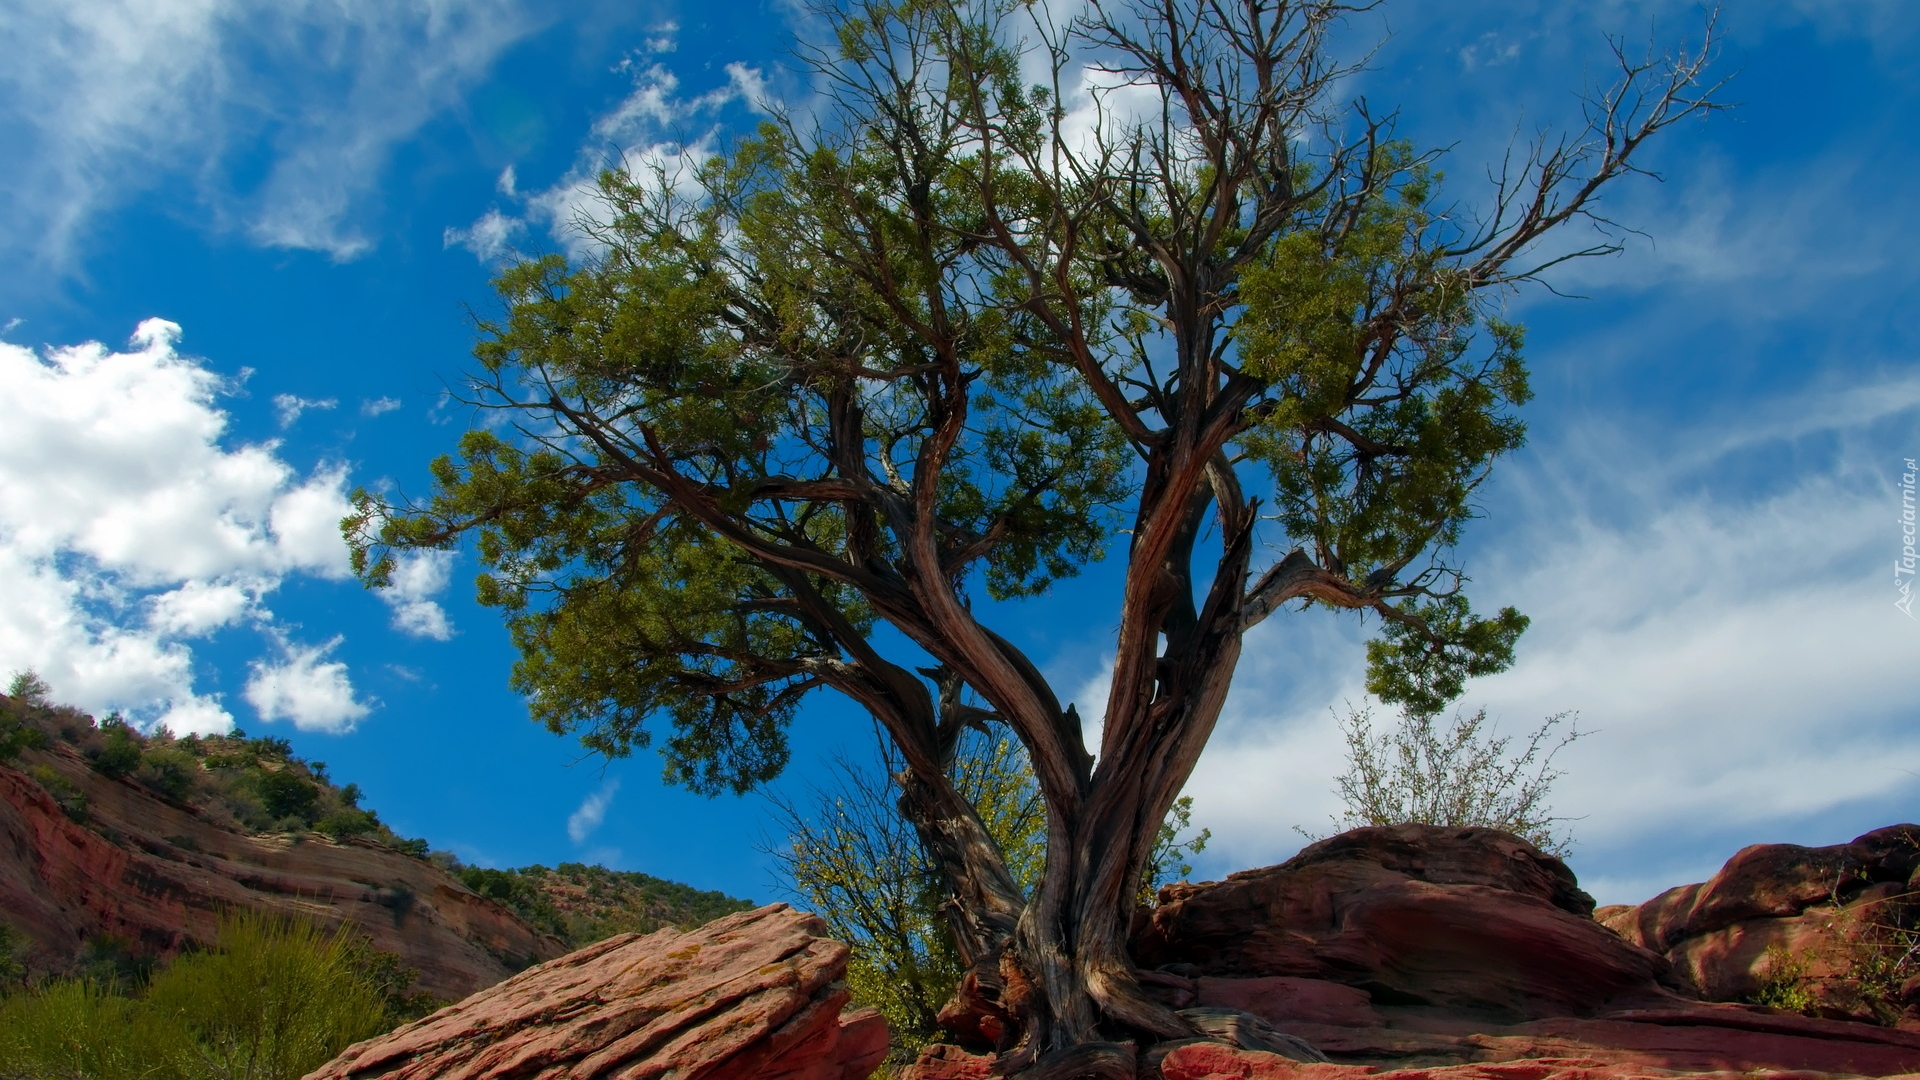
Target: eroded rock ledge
point(755, 994)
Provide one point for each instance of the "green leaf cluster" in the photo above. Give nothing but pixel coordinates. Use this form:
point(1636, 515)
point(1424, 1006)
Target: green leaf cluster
point(273, 1001)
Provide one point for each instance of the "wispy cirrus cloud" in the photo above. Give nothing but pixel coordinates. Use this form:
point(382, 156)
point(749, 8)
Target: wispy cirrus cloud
point(655, 134)
point(279, 120)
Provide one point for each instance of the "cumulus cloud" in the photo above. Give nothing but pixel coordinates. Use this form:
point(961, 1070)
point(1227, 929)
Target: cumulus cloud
point(128, 527)
point(306, 688)
point(417, 578)
point(592, 811)
point(379, 406)
point(1734, 648)
point(283, 115)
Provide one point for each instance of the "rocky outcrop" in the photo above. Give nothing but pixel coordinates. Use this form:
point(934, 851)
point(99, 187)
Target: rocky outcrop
point(1807, 903)
point(1214, 1061)
point(755, 994)
point(159, 877)
point(1464, 953)
point(1468, 920)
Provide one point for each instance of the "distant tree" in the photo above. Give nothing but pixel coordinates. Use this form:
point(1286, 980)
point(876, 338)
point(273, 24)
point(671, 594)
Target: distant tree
point(29, 688)
point(1460, 775)
point(932, 350)
point(118, 753)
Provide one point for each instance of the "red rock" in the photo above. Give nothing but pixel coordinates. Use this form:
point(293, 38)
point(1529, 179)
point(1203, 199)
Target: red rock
point(1218, 1062)
point(1413, 915)
point(160, 877)
point(944, 1062)
point(1806, 901)
point(754, 994)
point(1772, 881)
point(1280, 1000)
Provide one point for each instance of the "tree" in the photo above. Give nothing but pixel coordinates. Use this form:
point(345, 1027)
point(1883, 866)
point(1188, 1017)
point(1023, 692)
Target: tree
point(931, 350)
point(850, 855)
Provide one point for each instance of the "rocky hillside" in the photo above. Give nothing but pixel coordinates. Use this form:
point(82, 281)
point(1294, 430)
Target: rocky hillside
point(117, 844)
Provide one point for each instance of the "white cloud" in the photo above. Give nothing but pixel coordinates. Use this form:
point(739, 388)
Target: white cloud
point(593, 810)
point(128, 527)
point(283, 116)
point(288, 407)
point(199, 607)
point(631, 136)
point(417, 578)
point(489, 238)
point(1729, 639)
point(379, 406)
point(305, 687)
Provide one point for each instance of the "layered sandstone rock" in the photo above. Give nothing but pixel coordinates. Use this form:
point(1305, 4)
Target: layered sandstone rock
point(160, 877)
point(1808, 903)
point(1470, 920)
point(1465, 953)
point(755, 994)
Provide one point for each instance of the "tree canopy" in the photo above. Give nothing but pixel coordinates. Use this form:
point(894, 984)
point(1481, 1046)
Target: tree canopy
point(946, 340)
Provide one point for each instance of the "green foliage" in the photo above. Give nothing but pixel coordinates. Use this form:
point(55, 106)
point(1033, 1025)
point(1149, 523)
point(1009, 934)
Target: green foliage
point(118, 754)
point(28, 688)
point(168, 772)
point(1462, 775)
point(1168, 861)
point(583, 904)
point(75, 1029)
point(348, 822)
point(72, 801)
point(286, 794)
point(1785, 982)
point(258, 785)
point(273, 1001)
point(853, 859)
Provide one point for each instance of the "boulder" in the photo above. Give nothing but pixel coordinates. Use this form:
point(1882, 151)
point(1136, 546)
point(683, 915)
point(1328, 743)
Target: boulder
point(1810, 903)
point(1412, 915)
point(756, 994)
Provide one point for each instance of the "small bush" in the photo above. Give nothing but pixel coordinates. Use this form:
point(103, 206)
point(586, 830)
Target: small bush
point(119, 752)
point(345, 822)
point(1460, 776)
point(168, 772)
point(72, 801)
point(286, 794)
point(84, 1030)
point(274, 1001)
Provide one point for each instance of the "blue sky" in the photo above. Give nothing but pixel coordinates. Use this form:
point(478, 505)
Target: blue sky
point(309, 197)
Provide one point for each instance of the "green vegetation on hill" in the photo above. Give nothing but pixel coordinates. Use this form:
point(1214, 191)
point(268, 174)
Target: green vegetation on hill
point(250, 785)
point(261, 786)
point(583, 904)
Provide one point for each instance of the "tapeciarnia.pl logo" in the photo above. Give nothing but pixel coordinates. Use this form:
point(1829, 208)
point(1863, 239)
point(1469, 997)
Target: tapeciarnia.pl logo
point(1903, 566)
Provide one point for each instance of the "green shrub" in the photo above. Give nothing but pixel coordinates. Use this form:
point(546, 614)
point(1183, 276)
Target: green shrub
point(286, 794)
point(346, 822)
point(275, 1001)
point(168, 772)
point(119, 752)
point(72, 801)
point(83, 1030)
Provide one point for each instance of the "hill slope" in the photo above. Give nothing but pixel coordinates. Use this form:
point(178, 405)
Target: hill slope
point(114, 841)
